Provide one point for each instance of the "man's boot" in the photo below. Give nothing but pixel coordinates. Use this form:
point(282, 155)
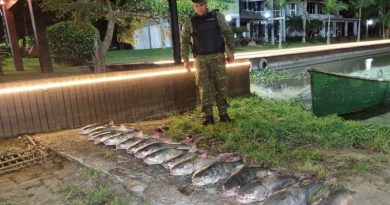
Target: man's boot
point(225, 118)
point(208, 120)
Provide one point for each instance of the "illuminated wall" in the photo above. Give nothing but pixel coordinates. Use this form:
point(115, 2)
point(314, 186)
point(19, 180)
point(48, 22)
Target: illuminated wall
point(71, 102)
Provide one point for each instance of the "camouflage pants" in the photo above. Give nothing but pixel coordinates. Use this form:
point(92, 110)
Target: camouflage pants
point(211, 79)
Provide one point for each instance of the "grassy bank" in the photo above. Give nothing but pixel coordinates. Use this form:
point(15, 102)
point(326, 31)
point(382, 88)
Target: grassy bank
point(279, 133)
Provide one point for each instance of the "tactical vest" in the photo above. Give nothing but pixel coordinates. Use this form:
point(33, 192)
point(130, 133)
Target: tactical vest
point(206, 35)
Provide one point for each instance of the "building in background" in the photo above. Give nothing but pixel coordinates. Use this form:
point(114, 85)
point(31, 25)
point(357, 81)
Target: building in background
point(258, 18)
point(153, 35)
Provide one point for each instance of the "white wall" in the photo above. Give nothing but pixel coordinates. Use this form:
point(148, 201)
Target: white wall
point(153, 36)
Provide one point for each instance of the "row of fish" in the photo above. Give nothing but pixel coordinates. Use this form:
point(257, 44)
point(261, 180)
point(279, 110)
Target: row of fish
point(246, 183)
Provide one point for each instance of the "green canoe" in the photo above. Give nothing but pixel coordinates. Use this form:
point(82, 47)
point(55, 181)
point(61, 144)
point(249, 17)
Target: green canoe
point(340, 94)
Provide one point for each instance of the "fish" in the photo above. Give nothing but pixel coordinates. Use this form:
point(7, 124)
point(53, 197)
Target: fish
point(172, 162)
point(214, 173)
point(106, 128)
point(148, 149)
point(187, 167)
point(102, 138)
point(260, 189)
point(242, 177)
point(95, 135)
point(124, 128)
point(97, 130)
point(341, 196)
point(129, 143)
point(294, 195)
point(87, 129)
point(162, 156)
point(119, 139)
point(144, 143)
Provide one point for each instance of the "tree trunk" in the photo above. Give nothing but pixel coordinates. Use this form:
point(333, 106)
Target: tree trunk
point(280, 27)
point(98, 60)
point(100, 48)
point(328, 33)
point(284, 25)
point(304, 21)
point(272, 24)
point(383, 31)
point(359, 24)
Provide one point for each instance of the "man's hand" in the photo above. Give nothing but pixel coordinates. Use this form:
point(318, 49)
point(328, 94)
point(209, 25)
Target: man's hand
point(230, 57)
point(187, 65)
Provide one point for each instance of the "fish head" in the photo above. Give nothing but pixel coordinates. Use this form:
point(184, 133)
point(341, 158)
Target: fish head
point(230, 190)
point(252, 192)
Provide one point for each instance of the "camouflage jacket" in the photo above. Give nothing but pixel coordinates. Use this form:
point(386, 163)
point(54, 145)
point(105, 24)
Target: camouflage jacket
point(185, 37)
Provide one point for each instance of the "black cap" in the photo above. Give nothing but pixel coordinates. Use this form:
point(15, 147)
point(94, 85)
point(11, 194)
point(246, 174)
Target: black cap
point(198, 1)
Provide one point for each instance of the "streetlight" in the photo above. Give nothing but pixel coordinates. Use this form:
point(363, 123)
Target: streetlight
point(266, 15)
point(368, 23)
point(228, 18)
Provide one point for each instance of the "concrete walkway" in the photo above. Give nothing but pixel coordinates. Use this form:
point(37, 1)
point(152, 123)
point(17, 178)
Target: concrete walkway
point(149, 184)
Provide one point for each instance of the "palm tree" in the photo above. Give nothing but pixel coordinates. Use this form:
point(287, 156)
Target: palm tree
point(360, 4)
point(281, 4)
point(304, 19)
point(384, 15)
point(270, 5)
point(273, 24)
point(332, 7)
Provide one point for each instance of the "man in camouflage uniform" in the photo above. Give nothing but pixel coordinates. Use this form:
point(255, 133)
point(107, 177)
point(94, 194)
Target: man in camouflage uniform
point(207, 31)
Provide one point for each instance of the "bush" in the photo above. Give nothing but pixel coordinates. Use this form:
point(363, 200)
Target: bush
point(238, 31)
point(241, 41)
point(70, 44)
point(295, 23)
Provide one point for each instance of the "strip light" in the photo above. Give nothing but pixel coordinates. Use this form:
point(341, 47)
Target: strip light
point(289, 51)
point(46, 86)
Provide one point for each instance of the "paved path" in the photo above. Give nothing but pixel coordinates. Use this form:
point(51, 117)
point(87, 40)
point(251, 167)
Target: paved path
point(39, 184)
point(150, 184)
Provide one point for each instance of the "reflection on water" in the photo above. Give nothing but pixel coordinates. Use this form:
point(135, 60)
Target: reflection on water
point(298, 85)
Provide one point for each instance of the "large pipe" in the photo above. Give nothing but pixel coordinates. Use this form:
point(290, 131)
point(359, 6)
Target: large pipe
point(175, 31)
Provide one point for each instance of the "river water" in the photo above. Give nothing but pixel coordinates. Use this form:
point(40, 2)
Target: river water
point(297, 85)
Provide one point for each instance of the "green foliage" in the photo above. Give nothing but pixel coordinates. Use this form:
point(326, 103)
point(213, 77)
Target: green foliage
point(184, 8)
point(26, 42)
point(334, 6)
point(5, 50)
point(71, 192)
point(314, 26)
point(239, 30)
point(295, 23)
point(127, 27)
point(274, 132)
point(267, 76)
point(357, 4)
point(70, 44)
point(99, 195)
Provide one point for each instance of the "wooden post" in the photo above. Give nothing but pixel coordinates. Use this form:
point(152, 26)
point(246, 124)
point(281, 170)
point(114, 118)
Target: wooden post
point(13, 36)
point(39, 27)
point(175, 31)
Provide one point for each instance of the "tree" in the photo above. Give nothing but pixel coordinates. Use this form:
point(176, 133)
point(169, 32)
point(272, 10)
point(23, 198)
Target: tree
point(360, 4)
point(384, 15)
point(281, 5)
point(332, 7)
point(271, 5)
point(304, 20)
point(185, 10)
point(85, 13)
